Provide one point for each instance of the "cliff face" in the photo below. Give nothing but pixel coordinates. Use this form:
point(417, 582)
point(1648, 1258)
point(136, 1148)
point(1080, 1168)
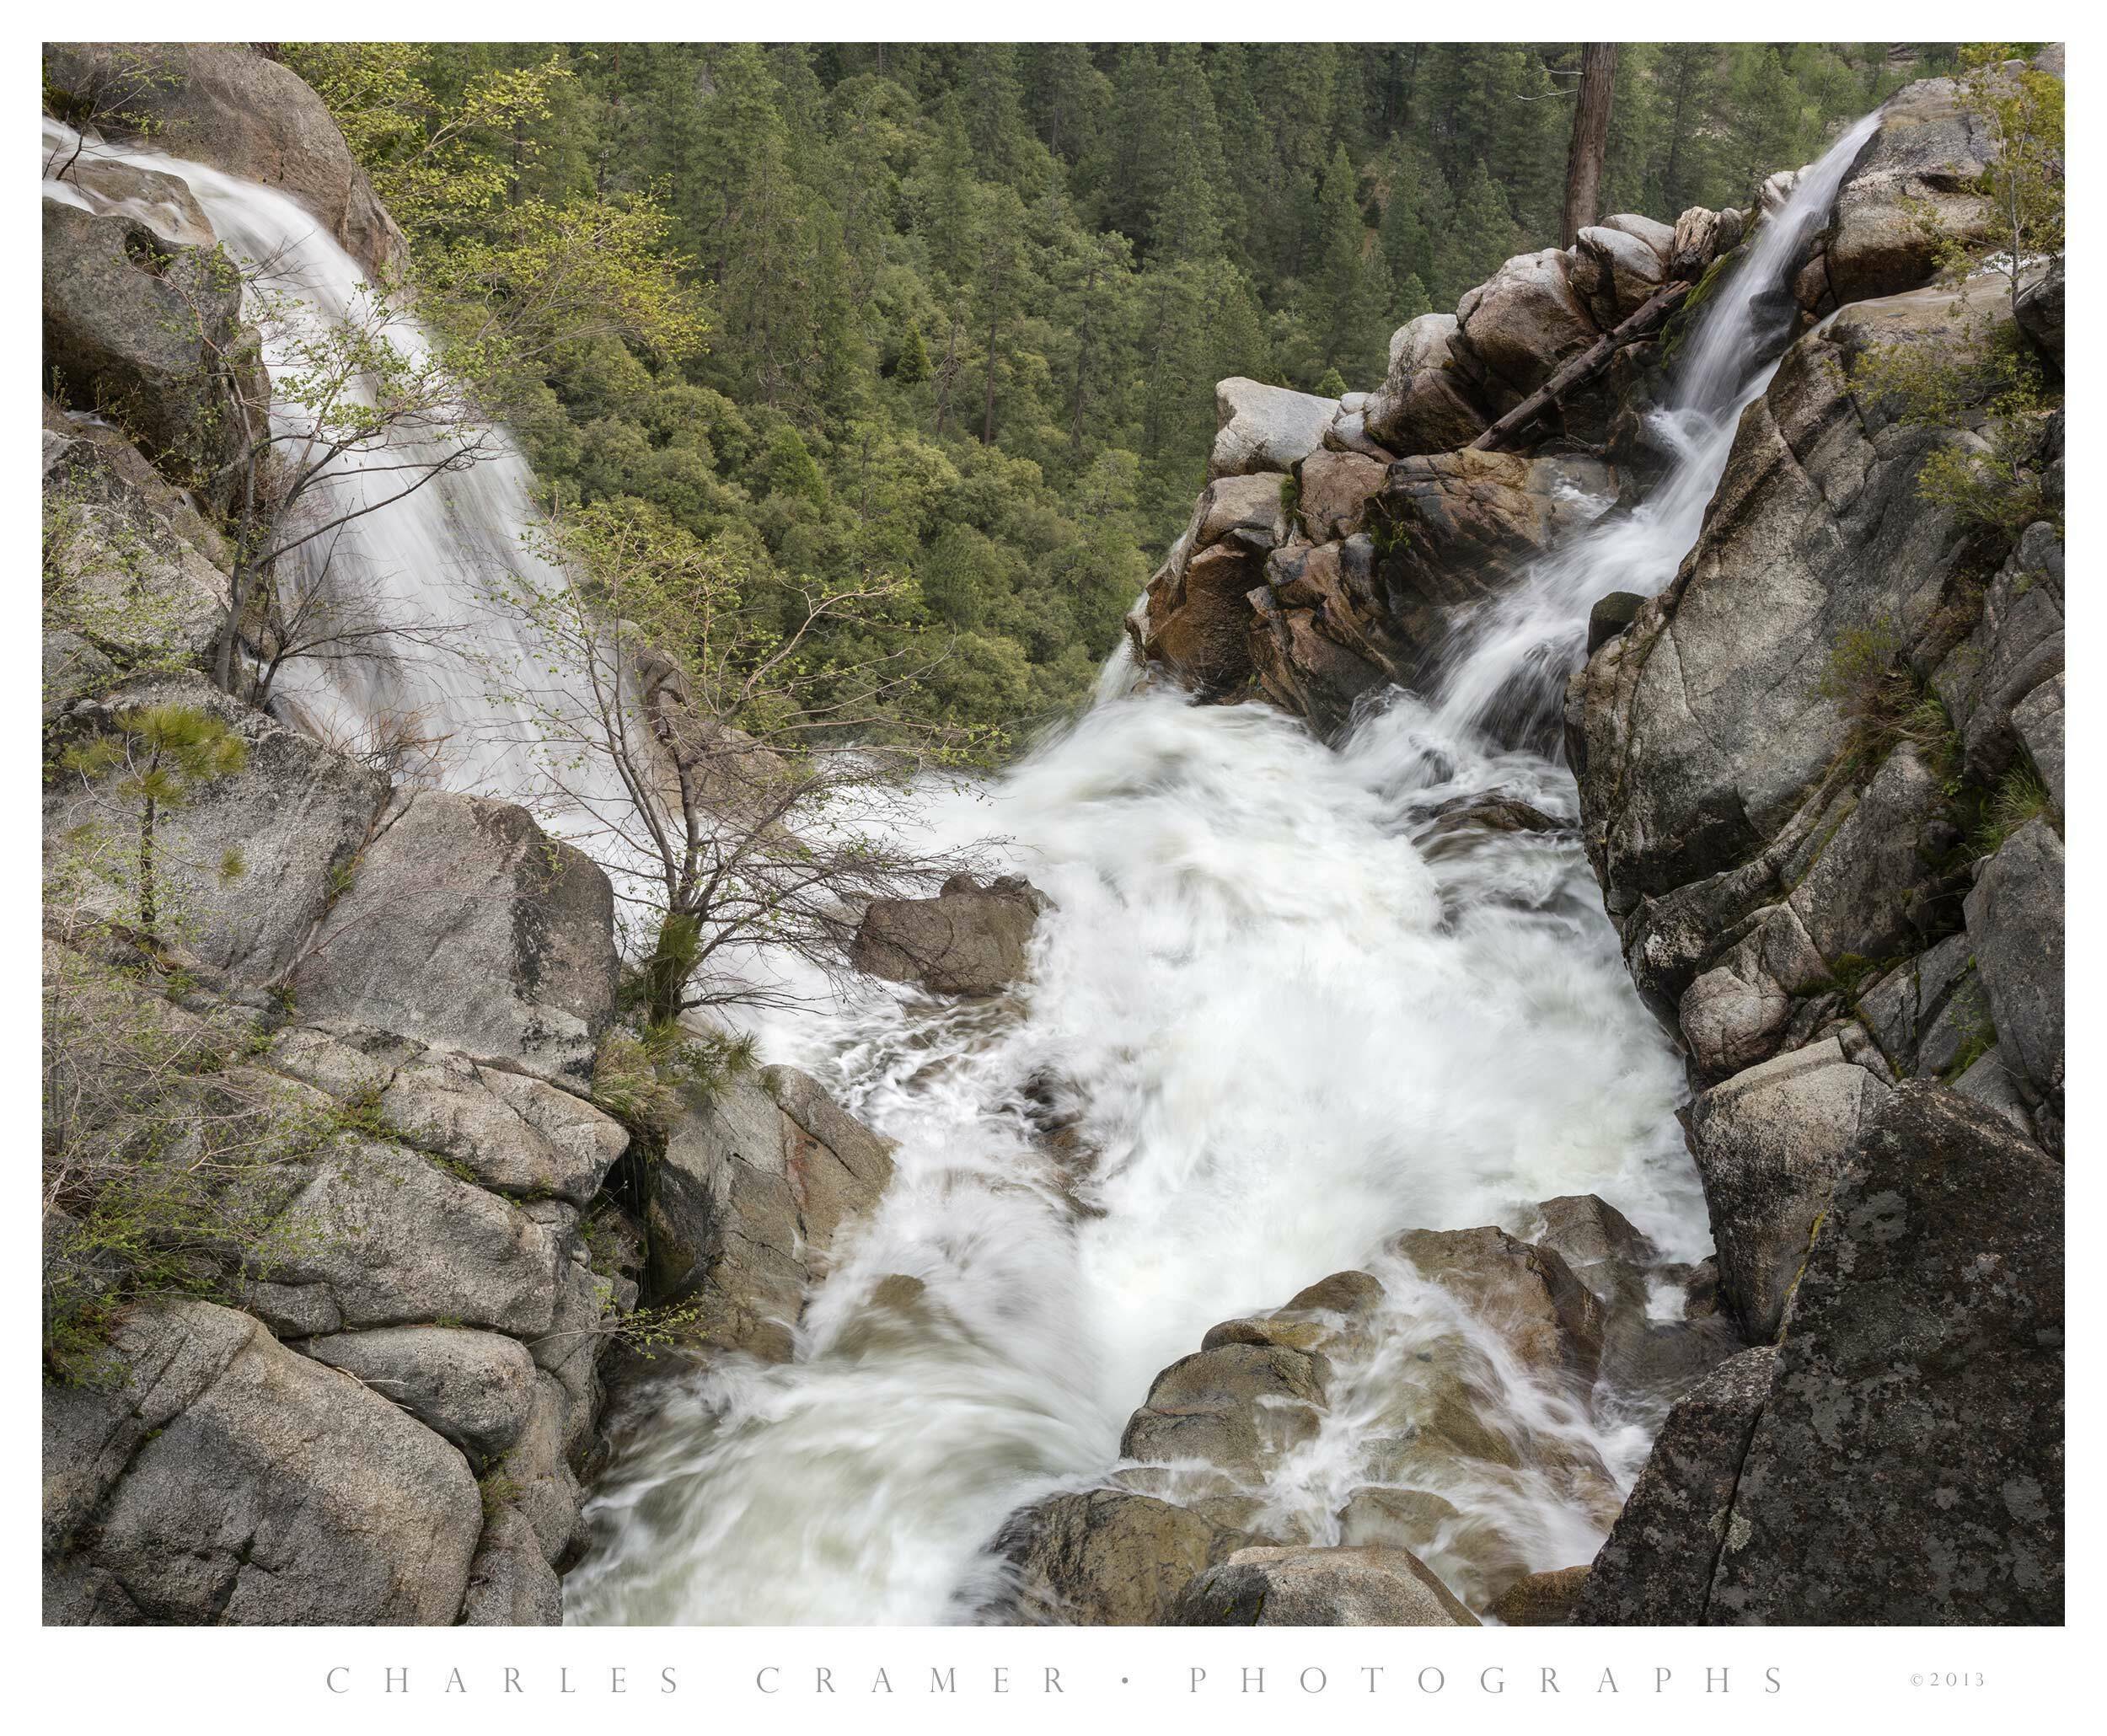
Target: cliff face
point(332, 1268)
point(1821, 782)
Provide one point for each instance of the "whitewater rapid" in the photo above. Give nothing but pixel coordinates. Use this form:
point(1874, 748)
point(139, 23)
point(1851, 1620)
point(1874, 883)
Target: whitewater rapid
point(1274, 1030)
point(1287, 1033)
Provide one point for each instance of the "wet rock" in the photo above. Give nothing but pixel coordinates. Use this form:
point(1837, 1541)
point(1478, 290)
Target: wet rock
point(1527, 1294)
point(751, 1201)
point(467, 927)
point(1320, 1588)
point(1195, 619)
point(164, 204)
point(1597, 1242)
point(227, 1481)
point(1707, 735)
point(1611, 616)
point(1238, 1406)
point(1908, 1465)
point(1655, 1569)
point(1459, 526)
point(1105, 1558)
point(1265, 427)
point(971, 938)
point(1540, 1600)
point(1768, 1143)
point(246, 115)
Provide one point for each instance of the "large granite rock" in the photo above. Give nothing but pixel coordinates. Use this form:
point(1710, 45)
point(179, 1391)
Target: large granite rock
point(1320, 1588)
point(750, 1203)
point(476, 1389)
point(1926, 159)
point(1519, 327)
point(1265, 428)
point(970, 939)
point(514, 1134)
point(134, 576)
point(229, 106)
point(1105, 1558)
point(1425, 404)
point(1768, 1145)
point(227, 1479)
point(1908, 1465)
point(2015, 925)
point(147, 333)
point(1655, 1569)
point(293, 821)
point(465, 926)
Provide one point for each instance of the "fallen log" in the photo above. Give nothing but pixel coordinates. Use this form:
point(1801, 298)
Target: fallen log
point(1584, 367)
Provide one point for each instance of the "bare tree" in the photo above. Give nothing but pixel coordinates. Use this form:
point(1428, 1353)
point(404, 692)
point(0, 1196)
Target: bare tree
point(1591, 144)
point(747, 795)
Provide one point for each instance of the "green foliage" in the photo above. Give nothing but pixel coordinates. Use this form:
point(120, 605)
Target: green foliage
point(647, 1077)
point(1984, 377)
point(152, 758)
point(162, 1158)
point(2019, 797)
point(989, 288)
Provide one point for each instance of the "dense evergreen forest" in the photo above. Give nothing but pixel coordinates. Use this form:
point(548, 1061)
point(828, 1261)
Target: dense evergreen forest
point(955, 313)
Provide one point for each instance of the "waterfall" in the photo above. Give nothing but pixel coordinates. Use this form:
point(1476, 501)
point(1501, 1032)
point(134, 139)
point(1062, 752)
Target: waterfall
point(425, 564)
point(1292, 1034)
point(1506, 665)
point(1287, 1031)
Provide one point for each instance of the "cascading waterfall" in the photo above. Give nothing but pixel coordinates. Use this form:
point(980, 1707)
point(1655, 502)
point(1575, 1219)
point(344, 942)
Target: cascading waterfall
point(425, 564)
point(1286, 1032)
point(1291, 1035)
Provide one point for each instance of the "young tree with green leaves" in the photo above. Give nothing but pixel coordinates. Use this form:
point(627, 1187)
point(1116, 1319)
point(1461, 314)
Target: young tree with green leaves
point(152, 758)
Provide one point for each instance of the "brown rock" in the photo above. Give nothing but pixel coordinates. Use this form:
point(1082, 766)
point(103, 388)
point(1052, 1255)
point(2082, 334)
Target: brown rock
point(1540, 1600)
point(970, 939)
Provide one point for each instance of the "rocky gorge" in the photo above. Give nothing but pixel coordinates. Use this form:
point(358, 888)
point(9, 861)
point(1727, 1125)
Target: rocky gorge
point(1521, 1369)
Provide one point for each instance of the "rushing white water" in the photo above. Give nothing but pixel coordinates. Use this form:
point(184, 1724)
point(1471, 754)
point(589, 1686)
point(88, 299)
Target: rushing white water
point(1287, 1034)
point(1505, 669)
point(1283, 1032)
point(424, 565)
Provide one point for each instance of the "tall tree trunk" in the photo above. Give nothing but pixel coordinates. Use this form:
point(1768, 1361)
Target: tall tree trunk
point(1591, 139)
point(149, 904)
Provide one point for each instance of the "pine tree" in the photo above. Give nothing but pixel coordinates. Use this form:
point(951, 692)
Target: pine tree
point(1477, 236)
point(912, 367)
point(1412, 300)
point(1341, 305)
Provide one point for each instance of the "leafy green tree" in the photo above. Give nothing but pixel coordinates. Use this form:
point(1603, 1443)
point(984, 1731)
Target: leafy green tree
point(154, 758)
